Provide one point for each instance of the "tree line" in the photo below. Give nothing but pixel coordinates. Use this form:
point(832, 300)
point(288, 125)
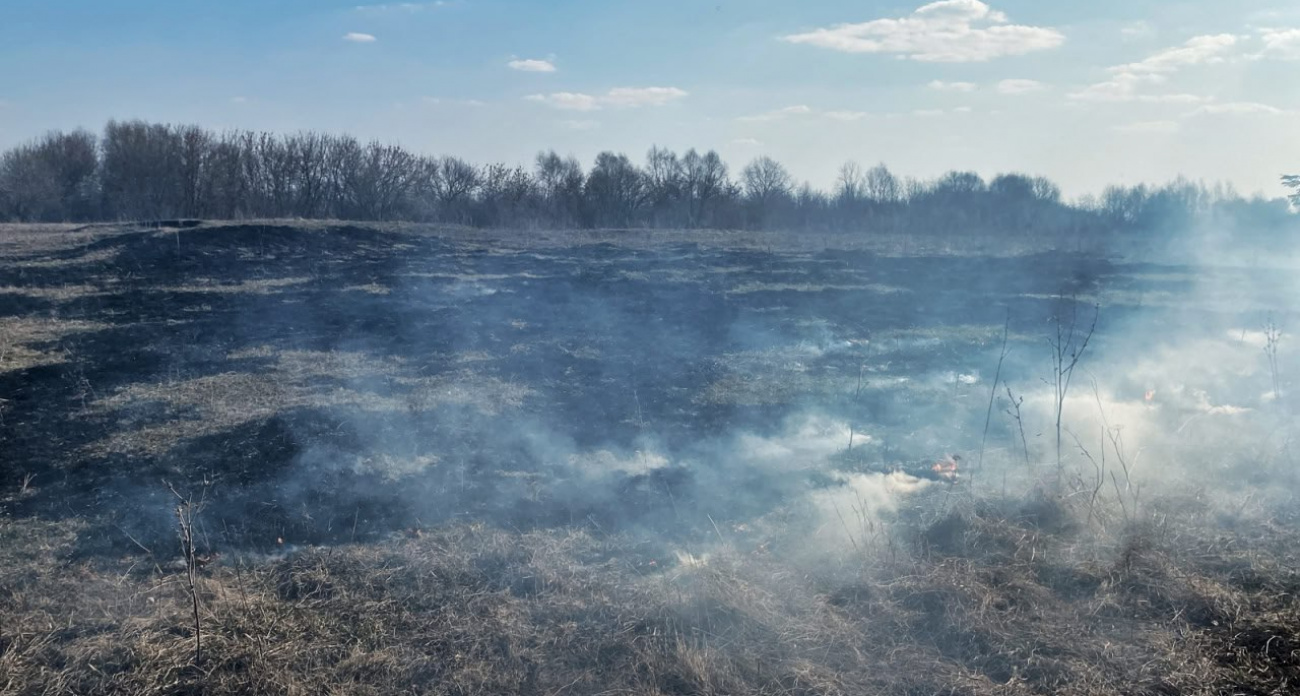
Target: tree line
point(146, 171)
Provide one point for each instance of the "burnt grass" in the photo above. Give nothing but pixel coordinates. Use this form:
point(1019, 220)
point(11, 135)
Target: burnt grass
point(387, 431)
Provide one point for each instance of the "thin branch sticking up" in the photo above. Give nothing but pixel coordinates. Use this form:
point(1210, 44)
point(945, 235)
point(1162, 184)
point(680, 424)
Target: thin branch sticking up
point(186, 511)
point(1014, 412)
point(1068, 346)
point(993, 392)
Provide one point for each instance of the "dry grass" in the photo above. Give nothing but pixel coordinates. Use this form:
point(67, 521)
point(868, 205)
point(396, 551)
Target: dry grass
point(268, 286)
point(977, 602)
point(810, 287)
point(29, 341)
point(289, 380)
point(32, 238)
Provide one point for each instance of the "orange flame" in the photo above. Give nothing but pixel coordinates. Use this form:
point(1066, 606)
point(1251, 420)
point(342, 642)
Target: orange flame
point(947, 467)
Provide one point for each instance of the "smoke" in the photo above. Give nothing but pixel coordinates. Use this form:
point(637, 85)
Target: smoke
point(698, 396)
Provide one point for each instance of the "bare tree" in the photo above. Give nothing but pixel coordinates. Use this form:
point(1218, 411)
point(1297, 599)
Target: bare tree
point(850, 184)
point(616, 190)
point(767, 185)
point(388, 176)
point(143, 170)
point(1046, 190)
point(507, 197)
point(194, 151)
point(224, 192)
point(881, 186)
point(1292, 181)
point(342, 160)
point(561, 182)
point(29, 188)
point(454, 182)
point(309, 154)
point(704, 178)
point(277, 168)
point(664, 183)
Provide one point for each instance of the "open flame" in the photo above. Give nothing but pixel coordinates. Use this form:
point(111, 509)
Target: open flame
point(947, 467)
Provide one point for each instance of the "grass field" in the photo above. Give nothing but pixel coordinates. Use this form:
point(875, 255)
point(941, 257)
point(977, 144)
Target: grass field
point(458, 462)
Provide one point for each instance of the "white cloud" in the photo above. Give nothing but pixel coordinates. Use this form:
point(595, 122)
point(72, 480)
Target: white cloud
point(1124, 88)
point(746, 142)
point(1196, 51)
point(928, 113)
point(846, 115)
point(570, 101)
point(619, 97)
point(440, 101)
point(1283, 44)
point(1017, 87)
point(1118, 88)
point(1127, 81)
point(1237, 109)
point(1137, 30)
point(949, 31)
point(941, 86)
point(532, 65)
point(642, 96)
point(1149, 127)
point(963, 110)
point(358, 37)
point(1166, 127)
point(581, 125)
point(778, 114)
point(804, 110)
point(239, 100)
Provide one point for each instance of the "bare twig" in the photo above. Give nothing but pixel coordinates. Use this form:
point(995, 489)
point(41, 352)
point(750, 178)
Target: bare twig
point(993, 392)
point(1014, 412)
point(1068, 345)
point(846, 529)
point(1272, 337)
point(186, 510)
point(1116, 436)
point(856, 394)
point(1099, 476)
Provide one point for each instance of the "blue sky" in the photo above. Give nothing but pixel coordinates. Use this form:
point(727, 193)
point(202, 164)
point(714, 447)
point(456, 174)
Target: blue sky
point(1086, 93)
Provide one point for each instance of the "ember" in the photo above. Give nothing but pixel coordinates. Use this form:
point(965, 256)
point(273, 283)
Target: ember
point(946, 468)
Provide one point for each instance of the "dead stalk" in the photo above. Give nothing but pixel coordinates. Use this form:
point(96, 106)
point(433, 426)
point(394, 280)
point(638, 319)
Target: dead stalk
point(1014, 412)
point(856, 394)
point(1099, 477)
point(993, 392)
point(1116, 436)
point(186, 510)
point(1272, 337)
point(1068, 345)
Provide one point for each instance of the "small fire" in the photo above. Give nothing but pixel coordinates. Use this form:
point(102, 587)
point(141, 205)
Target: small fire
point(946, 468)
point(1150, 396)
